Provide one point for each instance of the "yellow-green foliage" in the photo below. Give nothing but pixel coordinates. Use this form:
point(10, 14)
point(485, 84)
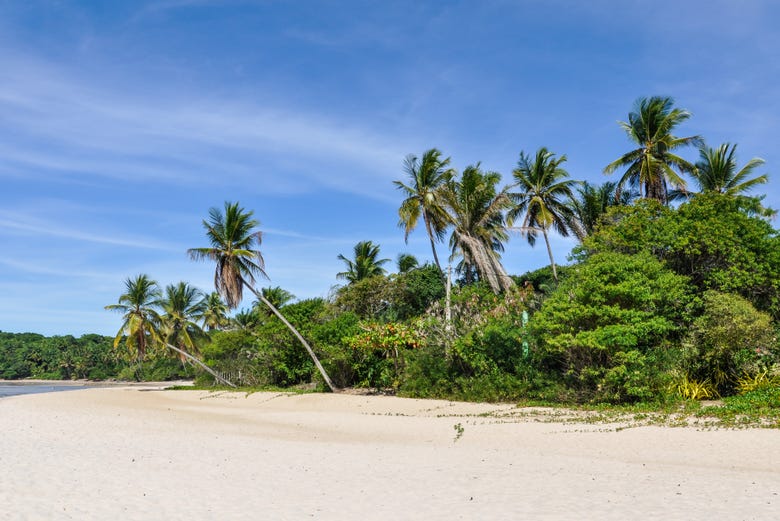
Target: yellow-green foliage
point(694, 390)
point(748, 383)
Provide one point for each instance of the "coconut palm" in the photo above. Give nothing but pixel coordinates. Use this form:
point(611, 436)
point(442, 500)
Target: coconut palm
point(544, 198)
point(365, 263)
point(183, 305)
point(277, 296)
point(233, 241)
point(593, 201)
point(475, 211)
point(214, 312)
point(427, 178)
point(653, 165)
point(406, 262)
point(140, 322)
point(247, 319)
point(716, 171)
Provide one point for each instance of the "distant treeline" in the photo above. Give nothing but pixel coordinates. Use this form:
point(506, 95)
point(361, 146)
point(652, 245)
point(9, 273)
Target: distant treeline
point(92, 357)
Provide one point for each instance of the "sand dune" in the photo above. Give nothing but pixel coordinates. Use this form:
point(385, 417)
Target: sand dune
point(135, 454)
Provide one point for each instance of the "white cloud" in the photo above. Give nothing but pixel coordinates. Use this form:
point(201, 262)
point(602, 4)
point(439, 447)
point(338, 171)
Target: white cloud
point(73, 124)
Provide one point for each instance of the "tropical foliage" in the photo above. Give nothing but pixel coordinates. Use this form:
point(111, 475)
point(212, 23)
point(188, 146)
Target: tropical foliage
point(475, 209)
point(653, 166)
point(658, 302)
point(140, 320)
point(544, 199)
point(364, 264)
point(716, 171)
point(427, 177)
point(233, 238)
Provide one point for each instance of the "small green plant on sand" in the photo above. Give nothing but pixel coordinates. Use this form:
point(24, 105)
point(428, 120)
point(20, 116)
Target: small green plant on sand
point(458, 431)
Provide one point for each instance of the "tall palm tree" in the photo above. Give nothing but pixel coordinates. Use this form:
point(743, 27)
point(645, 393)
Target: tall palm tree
point(427, 178)
point(233, 241)
point(593, 201)
point(653, 165)
point(214, 312)
point(183, 305)
point(544, 200)
point(140, 322)
point(475, 211)
point(406, 262)
point(365, 263)
point(716, 171)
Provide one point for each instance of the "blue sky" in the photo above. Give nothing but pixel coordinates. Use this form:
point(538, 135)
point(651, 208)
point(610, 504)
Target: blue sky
point(122, 123)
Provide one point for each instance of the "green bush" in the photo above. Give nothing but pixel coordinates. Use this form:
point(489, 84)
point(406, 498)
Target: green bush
point(715, 240)
point(234, 354)
point(728, 341)
point(345, 365)
point(603, 329)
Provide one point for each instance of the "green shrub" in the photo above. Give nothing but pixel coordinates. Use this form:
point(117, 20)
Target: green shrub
point(715, 240)
point(604, 330)
point(728, 341)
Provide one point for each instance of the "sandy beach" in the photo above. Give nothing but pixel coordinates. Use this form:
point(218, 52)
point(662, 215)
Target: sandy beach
point(126, 453)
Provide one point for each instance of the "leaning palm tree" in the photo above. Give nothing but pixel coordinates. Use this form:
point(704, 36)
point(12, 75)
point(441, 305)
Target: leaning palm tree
point(233, 241)
point(593, 201)
point(716, 171)
point(544, 199)
point(427, 178)
point(475, 211)
point(365, 263)
point(214, 312)
point(140, 322)
point(183, 305)
point(653, 165)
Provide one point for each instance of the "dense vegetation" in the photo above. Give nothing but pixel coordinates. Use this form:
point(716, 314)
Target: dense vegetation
point(672, 293)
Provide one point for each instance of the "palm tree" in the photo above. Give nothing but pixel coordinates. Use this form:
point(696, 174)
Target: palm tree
point(183, 306)
point(365, 263)
point(233, 241)
point(427, 178)
point(475, 210)
point(544, 200)
point(214, 312)
point(651, 166)
point(140, 322)
point(593, 201)
point(247, 319)
point(716, 171)
point(277, 296)
point(406, 262)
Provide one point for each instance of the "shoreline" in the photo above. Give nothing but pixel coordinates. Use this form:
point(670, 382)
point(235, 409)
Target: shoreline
point(125, 453)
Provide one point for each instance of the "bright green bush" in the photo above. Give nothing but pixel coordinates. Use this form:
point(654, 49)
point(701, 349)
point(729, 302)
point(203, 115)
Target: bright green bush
point(601, 330)
point(713, 239)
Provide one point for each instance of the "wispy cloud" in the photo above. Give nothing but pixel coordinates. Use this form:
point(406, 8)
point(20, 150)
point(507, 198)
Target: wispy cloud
point(16, 226)
point(72, 125)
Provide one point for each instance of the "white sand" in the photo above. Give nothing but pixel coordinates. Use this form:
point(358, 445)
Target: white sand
point(130, 454)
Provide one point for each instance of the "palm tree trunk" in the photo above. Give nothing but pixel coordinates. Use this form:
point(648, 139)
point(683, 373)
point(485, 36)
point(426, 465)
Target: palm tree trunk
point(549, 252)
point(206, 368)
point(295, 332)
point(430, 236)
